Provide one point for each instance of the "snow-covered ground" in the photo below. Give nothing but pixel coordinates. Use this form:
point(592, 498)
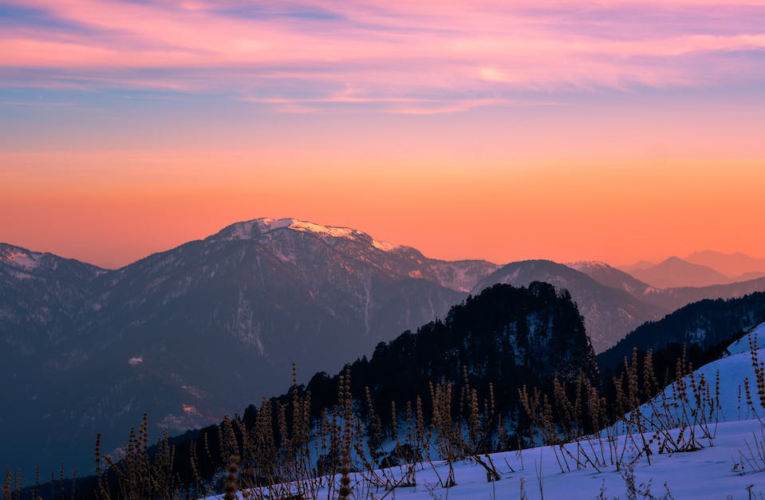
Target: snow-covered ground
point(734, 369)
point(710, 473)
point(717, 471)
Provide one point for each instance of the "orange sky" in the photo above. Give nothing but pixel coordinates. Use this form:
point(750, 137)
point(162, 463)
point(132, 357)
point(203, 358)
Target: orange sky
point(620, 212)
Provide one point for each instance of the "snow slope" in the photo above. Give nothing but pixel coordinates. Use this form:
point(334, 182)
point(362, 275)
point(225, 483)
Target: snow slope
point(704, 474)
point(713, 472)
point(733, 369)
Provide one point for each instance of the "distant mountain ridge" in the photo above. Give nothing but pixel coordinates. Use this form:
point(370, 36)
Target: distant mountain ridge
point(706, 268)
point(734, 265)
point(675, 272)
point(671, 298)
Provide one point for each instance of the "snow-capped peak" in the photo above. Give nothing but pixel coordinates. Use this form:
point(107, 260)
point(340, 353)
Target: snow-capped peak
point(249, 229)
point(310, 227)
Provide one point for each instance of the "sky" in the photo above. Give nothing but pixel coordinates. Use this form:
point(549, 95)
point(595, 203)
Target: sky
point(503, 130)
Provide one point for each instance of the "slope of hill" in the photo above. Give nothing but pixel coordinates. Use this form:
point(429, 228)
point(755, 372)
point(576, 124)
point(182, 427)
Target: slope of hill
point(749, 276)
point(675, 272)
point(675, 298)
point(40, 294)
point(735, 367)
point(609, 313)
point(151, 336)
point(703, 323)
point(642, 264)
point(613, 277)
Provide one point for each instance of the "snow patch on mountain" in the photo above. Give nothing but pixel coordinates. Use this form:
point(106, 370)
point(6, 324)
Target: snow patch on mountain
point(582, 265)
point(310, 227)
point(258, 227)
point(385, 247)
point(18, 259)
point(462, 275)
point(25, 261)
point(245, 326)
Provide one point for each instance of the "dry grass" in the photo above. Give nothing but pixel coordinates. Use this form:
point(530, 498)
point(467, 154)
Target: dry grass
point(286, 454)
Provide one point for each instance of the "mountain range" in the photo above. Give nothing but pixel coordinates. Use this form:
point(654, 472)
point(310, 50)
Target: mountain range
point(729, 264)
point(699, 269)
point(609, 312)
point(612, 302)
point(203, 329)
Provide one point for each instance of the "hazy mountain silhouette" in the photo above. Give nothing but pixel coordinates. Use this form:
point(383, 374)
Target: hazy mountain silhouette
point(675, 272)
point(734, 265)
point(642, 264)
point(669, 299)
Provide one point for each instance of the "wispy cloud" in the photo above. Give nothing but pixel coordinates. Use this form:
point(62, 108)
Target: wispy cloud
point(348, 102)
point(412, 57)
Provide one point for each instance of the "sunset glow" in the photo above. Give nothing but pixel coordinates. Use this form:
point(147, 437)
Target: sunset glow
point(501, 130)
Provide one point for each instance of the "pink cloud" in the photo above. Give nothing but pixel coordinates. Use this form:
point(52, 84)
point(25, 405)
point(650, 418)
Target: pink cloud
point(395, 53)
